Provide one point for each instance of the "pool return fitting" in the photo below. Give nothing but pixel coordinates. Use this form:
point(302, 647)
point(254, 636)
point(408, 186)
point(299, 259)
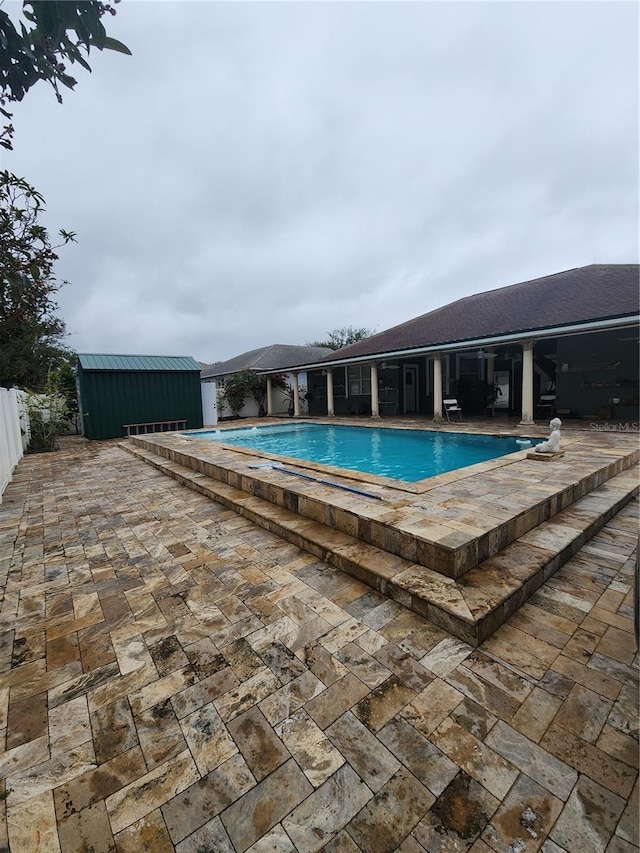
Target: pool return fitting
point(279, 467)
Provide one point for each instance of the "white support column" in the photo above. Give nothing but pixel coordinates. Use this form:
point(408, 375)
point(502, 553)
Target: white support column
point(527, 384)
point(437, 387)
point(269, 396)
point(375, 404)
point(330, 408)
point(296, 396)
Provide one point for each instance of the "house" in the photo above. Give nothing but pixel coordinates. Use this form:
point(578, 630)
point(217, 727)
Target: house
point(572, 336)
point(150, 392)
point(276, 358)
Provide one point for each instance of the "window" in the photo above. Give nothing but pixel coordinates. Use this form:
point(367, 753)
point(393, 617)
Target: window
point(359, 380)
point(469, 366)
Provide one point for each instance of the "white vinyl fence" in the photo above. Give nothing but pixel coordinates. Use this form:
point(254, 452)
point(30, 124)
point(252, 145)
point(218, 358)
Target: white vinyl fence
point(14, 433)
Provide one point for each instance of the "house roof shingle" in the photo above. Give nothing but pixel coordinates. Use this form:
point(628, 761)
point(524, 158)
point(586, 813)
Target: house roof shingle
point(273, 357)
point(584, 294)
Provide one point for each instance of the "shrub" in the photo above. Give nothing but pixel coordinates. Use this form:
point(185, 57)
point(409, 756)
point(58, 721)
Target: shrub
point(48, 415)
point(239, 386)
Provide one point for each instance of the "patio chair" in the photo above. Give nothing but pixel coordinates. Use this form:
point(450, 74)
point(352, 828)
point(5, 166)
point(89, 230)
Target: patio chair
point(451, 408)
point(546, 405)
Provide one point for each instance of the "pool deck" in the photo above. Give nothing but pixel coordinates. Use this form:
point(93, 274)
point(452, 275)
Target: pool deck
point(176, 679)
point(464, 549)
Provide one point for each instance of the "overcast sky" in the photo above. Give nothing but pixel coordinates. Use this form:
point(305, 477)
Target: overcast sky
point(262, 173)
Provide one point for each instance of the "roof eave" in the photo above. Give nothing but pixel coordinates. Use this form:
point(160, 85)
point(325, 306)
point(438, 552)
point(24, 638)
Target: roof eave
point(471, 343)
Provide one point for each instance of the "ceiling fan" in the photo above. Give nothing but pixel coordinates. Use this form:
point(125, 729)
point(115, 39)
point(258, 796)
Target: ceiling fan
point(386, 366)
point(481, 353)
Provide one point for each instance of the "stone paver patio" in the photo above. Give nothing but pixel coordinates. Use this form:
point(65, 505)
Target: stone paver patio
point(464, 549)
point(174, 677)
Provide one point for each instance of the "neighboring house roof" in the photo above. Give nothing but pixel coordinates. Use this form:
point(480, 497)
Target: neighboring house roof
point(274, 357)
point(100, 361)
point(584, 294)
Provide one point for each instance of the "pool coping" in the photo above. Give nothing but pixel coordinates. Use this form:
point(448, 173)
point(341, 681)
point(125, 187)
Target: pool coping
point(449, 524)
point(471, 606)
point(415, 487)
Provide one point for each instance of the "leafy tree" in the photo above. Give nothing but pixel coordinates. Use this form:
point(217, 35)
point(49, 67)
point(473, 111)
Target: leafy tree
point(51, 34)
point(342, 337)
point(247, 383)
point(256, 386)
point(30, 331)
point(234, 393)
point(65, 377)
point(56, 32)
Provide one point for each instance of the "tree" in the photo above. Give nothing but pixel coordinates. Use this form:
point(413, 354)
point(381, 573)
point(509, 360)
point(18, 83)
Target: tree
point(342, 337)
point(65, 377)
point(57, 32)
point(30, 331)
point(247, 383)
point(234, 393)
point(256, 385)
point(48, 414)
point(52, 33)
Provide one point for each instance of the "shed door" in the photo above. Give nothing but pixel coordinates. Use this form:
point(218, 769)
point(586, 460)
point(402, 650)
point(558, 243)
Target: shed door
point(209, 403)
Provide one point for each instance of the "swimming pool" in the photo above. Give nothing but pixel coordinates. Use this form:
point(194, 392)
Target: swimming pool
point(403, 454)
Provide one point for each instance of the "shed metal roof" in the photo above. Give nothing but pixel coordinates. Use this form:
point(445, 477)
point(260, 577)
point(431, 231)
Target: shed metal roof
point(101, 361)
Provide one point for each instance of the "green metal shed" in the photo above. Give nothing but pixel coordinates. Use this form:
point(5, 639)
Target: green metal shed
point(157, 391)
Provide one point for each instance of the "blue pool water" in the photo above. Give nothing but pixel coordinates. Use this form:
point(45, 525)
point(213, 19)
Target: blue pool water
point(403, 454)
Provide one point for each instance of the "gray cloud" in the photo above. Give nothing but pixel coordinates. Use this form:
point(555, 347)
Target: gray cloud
point(265, 172)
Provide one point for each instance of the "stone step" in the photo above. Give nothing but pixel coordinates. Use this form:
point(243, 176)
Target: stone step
point(437, 523)
point(470, 607)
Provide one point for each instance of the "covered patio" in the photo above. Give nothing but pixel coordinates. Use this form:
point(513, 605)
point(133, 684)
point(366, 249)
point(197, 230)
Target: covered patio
point(572, 337)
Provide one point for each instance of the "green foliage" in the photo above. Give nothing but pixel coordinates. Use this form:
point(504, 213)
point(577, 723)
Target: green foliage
point(234, 393)
point(51, 34)
point(246, 383)
point(342, 337)
point(55, 33)
point(290, 394)
point(256, 386)
point(66, 379)
point(30, 331)
point(493, 392)
point(48, 414)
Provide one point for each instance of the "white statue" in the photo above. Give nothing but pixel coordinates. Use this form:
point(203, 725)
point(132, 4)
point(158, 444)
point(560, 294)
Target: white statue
point(552, 444)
